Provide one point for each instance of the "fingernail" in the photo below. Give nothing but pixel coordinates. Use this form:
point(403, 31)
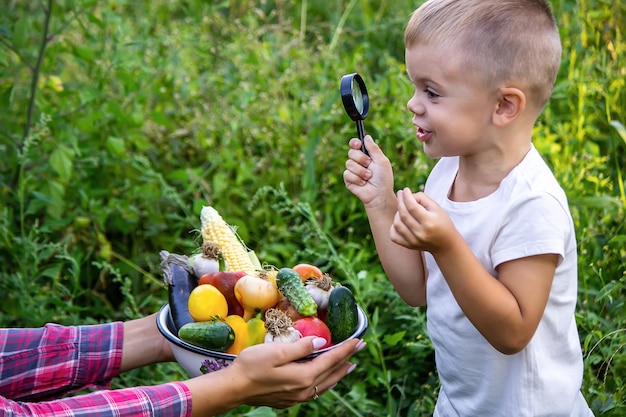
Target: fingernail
point(351, 368)
point(359, 346)
point(332, 386)
point(318, 342)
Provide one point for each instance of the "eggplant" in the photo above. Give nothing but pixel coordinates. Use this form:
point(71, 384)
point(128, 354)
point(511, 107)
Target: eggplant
point(180, 282)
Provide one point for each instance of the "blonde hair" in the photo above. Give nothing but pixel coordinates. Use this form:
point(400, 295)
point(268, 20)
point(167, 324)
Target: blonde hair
point(499, 40)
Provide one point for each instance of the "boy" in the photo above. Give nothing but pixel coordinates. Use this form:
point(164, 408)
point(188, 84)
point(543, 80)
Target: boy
point(489, 246)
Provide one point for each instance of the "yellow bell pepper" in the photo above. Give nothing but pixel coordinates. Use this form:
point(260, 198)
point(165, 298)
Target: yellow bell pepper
point(247, 333)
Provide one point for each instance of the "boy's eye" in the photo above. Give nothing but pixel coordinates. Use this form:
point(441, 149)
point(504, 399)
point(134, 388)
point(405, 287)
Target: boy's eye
point(431, 93)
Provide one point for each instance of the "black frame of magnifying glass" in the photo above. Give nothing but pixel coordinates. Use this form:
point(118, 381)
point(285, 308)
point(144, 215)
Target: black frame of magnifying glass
point(347, 97)
point(346, 88)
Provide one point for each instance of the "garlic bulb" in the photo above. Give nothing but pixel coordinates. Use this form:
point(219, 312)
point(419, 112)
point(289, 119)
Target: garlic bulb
point(205, 262)
point(279, 328)
point(320, 290)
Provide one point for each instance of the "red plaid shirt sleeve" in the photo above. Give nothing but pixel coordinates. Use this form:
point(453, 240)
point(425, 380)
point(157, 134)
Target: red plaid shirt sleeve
point(37, 366)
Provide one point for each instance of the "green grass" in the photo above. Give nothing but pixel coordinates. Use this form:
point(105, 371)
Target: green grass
point(119, 119)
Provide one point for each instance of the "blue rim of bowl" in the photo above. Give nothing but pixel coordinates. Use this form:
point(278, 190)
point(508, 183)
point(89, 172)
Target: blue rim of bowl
point(165, 325)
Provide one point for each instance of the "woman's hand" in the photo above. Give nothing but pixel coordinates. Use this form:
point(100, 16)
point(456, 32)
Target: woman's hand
point(276, 379)
point(268, 374)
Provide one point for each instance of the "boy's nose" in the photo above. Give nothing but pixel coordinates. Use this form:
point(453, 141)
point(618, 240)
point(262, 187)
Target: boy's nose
point(414, 105)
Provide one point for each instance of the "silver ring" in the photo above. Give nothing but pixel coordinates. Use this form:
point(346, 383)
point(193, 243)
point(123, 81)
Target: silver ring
point(315, 396)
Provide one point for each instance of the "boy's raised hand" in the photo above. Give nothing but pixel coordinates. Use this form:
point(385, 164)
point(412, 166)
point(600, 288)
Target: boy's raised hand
point(420, 223)
point(370, 178)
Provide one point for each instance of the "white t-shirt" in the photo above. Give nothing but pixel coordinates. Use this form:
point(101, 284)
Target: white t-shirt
point(527, 215)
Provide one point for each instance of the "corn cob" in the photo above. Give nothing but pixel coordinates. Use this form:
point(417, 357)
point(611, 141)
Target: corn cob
point(216, 231)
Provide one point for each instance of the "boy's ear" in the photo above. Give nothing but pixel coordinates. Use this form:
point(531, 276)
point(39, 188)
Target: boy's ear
point(511, 104)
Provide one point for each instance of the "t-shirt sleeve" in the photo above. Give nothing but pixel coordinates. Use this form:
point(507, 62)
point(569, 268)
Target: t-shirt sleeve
point(535, 226)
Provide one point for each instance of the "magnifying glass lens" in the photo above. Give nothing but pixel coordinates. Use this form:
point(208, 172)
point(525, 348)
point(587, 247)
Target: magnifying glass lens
point(357, 96)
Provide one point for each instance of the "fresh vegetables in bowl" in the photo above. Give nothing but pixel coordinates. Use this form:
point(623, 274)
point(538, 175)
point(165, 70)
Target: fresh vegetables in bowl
point(222, 301)
point(196, 360)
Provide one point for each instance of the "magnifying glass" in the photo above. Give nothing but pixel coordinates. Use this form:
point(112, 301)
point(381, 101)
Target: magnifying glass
point(356, 102)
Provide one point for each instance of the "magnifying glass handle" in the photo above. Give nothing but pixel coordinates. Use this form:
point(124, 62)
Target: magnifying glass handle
point(361, 132)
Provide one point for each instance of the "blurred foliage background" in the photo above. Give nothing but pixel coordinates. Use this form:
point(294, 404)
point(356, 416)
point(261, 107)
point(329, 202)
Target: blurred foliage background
point(120, 119)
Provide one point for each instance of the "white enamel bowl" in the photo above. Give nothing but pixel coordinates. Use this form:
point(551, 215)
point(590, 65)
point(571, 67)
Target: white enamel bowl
point(197, 361)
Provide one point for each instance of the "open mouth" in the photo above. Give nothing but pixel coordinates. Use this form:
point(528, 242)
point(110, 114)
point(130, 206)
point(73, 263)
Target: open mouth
point(422, 134)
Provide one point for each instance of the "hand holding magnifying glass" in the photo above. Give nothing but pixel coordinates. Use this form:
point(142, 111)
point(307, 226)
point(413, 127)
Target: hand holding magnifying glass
point(356, 102)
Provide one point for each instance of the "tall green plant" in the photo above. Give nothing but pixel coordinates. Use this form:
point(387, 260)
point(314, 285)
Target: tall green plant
point(585, 145)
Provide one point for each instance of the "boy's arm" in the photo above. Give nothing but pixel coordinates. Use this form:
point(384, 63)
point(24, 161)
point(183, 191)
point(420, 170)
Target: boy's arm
point(507, 310)
point(404, 267)
point(370, 178)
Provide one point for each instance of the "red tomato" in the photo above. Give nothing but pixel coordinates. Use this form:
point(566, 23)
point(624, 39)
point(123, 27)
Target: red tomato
point(312, 326)
point(307, 271)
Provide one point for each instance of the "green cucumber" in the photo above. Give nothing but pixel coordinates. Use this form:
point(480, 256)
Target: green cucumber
point(214, 335)
point(290, 284)
point(342, 317)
